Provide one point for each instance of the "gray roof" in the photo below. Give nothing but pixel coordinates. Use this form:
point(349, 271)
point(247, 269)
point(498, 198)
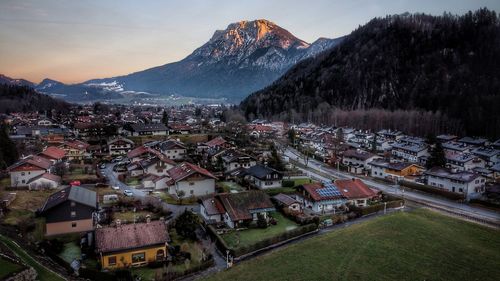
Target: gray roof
point(413, 147)
point(148, 127)
point(260, 171)
point(453, 145)
point(461, 176)
point(77, 194)
point(473, 141)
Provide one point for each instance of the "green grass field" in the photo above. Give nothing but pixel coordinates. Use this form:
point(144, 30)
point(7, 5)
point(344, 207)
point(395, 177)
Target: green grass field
point(418, 245)
point(254, 235)
point(43, 273)
point(7, 267)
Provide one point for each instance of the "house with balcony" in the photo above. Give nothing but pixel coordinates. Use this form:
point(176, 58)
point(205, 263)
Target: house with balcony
point(120, 146)
point(263, 177)
point(467, 183)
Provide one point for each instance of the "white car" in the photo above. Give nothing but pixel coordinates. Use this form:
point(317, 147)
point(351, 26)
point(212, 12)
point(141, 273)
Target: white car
point(128, 193)
point(116, 187)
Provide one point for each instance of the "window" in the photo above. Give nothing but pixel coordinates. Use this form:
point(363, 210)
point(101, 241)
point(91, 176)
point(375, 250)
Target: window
point(191, 183)
point(22, 173)
point(191, 192)
point(112, 260)
point(73, 224)
point(139, 257)
point(73, 214)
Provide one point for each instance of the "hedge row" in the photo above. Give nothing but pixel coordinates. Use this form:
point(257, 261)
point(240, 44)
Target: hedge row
point(433, 190)
point(239, 251)
point(485, 203)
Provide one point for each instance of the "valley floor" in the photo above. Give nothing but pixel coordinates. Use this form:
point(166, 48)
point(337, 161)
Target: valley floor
point(418, 245)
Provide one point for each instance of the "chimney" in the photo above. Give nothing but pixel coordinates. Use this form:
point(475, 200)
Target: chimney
point(118, 222)
point(148, 218)
point(353, 179)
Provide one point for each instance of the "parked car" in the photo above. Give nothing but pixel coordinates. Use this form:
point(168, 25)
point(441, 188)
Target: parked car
point(128, 193)
point(116, 187)
point(102, 166)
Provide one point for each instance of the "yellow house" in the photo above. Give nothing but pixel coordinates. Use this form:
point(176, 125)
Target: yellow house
point(131, 244)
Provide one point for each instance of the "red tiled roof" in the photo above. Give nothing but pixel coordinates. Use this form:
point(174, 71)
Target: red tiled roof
point(185, 170)
point(213, 206)
point(239, 205)
point(215, 142)
point(138, 151)
point(31, 163)
point(130, 236)
point(77, 144)
point(312, 189)
point(54, 152)
point(354, 189)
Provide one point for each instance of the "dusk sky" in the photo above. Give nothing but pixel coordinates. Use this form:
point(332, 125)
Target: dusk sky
point(72, 41)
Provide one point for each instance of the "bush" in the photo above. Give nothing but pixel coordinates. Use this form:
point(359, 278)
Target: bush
point(186, 225)
point(288, 183)
point(433, 190)
point(485, 203)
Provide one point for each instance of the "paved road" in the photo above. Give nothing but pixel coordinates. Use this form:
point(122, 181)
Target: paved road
point(113, 181)
point(315, 167)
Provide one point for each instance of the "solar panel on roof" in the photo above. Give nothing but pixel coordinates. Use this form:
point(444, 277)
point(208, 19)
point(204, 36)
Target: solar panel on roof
point(328, 190)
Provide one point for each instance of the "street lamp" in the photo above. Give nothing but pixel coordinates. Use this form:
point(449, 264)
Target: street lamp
point(227, 258)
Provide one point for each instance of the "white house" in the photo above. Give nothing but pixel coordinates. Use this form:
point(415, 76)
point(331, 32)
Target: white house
point(264, 177)
point(120, 146)
point(28, 168)
point(44, 181)
point(235, 209)
point(191, 179)
point(409, 151)
point(173, 149)
point(321, 197)
point(358, 157)
point(463, 182)
point(233, 159)
point(463, 161)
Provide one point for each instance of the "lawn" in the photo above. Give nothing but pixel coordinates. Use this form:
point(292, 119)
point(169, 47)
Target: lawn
point(170, 200)
point(43, 273)
point(129, 215)
point(418, 245)
point(70, 252)
point(301, 181)
point(254, 235)
point(14, 216)
point(30, 200)
point(5, 182)
point(7, 267)
point(229, 186)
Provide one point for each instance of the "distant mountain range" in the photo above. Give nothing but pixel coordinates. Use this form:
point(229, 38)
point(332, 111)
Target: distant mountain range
point(18, 95)
point(448, 65)
point(243, 58)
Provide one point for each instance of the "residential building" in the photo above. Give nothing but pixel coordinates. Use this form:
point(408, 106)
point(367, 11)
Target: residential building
point(355, 191)
point(463, 161)
point(174, 150)
point(146, 129)
point(75, 149)
point(409, 151)
point(127, 245)
point(454, 147)
point(69, 210)
point(263, 177)
point(191, 179)
point(233, 159)
point(490, 155)
point(236, 209)
point(358, 157)
point(321, 197)
point(473, 141)
point(467, 183)
point(54, 154)
point(288, 202)
point(120, 146)
point(27, 169)
point(393, 170)
point(44, 181)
